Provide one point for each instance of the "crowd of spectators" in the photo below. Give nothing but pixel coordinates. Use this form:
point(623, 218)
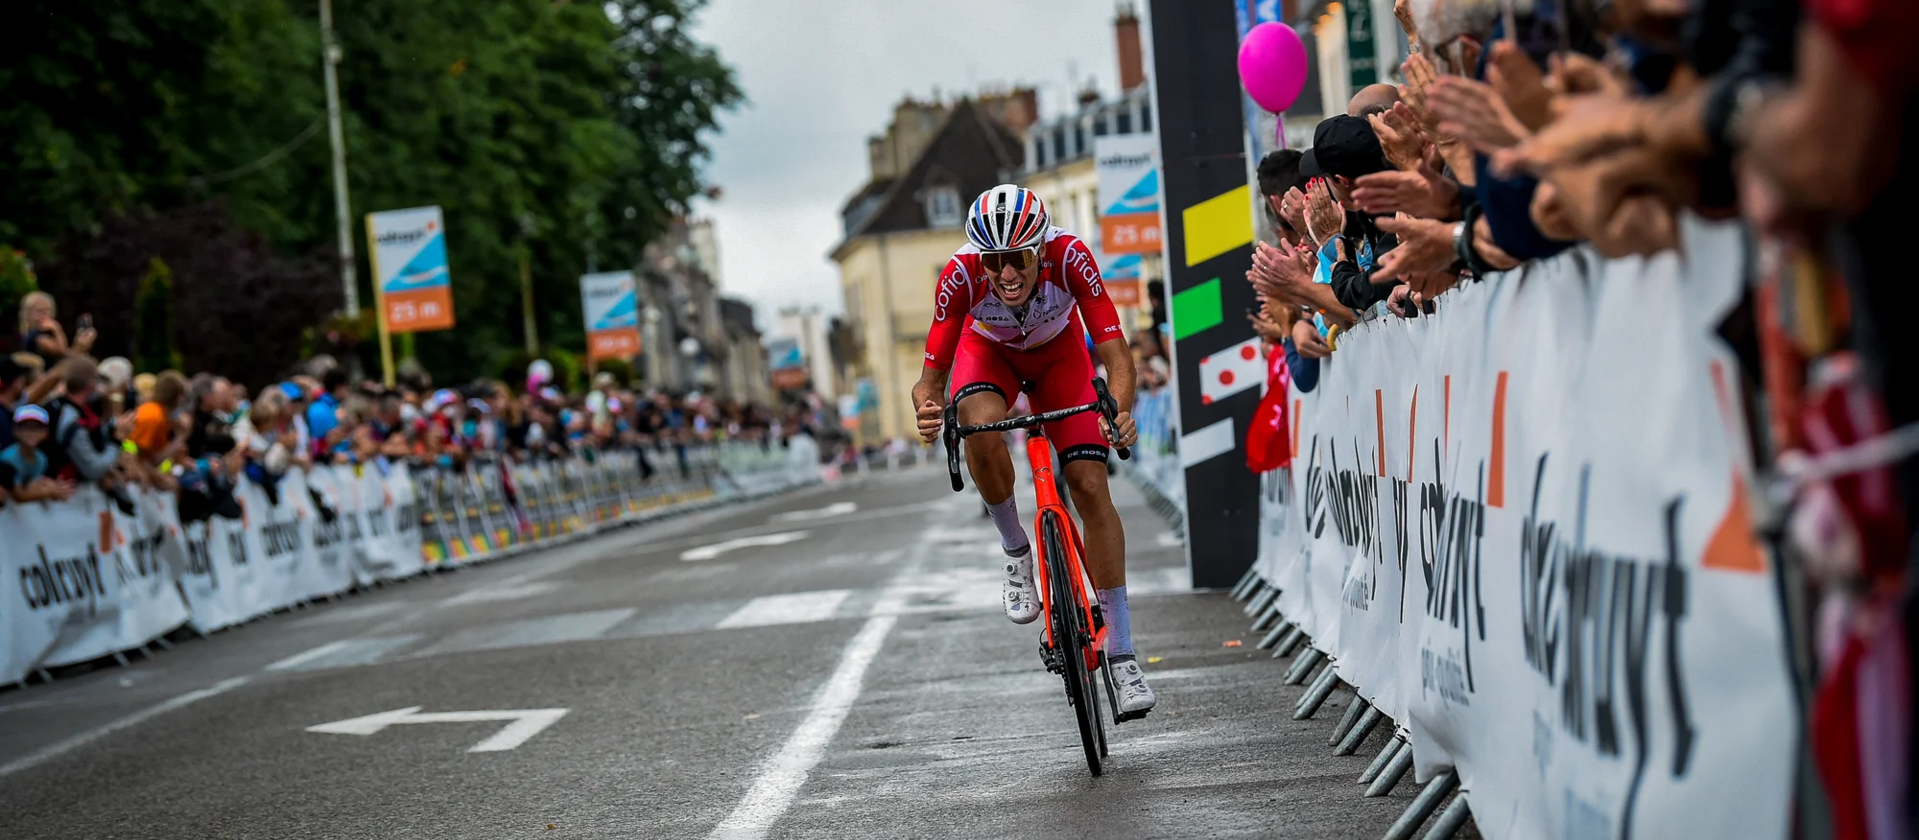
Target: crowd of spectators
point(1520, 129)
point(68, 420)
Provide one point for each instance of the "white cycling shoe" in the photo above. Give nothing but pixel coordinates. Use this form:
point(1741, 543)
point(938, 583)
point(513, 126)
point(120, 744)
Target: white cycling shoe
point(1017, 594)
point(1136, 698)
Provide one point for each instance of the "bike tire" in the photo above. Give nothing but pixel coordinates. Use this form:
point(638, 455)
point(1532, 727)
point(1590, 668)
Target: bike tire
point(1070, 640)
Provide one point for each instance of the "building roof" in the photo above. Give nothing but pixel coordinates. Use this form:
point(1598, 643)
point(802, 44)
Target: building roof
point(971, 152)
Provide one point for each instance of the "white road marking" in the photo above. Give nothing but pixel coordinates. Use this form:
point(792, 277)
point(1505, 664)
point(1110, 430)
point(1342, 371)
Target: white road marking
point(501, 592)
point(782, 775)
point(53, 751)
point(708, 552)
point(526, 723)
point(299, 659)
point(834, 509)
point(791, 608)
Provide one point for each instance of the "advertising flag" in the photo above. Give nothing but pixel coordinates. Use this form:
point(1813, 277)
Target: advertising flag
point(612, 315)
point(408, 253)
point(1128, 170)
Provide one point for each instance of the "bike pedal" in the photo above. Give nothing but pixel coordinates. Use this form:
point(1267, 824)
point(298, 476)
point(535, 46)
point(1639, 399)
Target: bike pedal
point(1123, 717)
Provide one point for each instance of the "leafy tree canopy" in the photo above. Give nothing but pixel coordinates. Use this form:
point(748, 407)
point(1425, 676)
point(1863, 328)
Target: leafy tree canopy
point(566, 133)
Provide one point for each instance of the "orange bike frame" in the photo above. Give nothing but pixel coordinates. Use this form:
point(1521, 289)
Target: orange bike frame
point(1039, 452)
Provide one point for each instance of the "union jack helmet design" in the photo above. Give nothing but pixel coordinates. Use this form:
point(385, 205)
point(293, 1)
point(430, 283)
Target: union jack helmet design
point(1007, 218)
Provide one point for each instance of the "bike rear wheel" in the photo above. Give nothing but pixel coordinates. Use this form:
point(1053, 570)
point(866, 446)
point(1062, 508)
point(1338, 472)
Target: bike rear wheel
point(1070, 640)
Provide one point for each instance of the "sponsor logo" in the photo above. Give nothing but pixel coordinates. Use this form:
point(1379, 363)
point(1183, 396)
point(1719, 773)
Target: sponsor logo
point(62, 580)
point(401, 237)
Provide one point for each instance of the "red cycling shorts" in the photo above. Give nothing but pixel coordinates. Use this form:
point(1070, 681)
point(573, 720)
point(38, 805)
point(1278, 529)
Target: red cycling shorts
point(1061, 373)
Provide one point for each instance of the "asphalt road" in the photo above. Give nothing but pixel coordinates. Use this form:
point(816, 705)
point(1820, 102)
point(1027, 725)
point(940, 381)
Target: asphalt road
point(830, 663)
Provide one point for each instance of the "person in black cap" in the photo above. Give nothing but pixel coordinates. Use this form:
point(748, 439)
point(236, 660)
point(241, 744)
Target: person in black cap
point(1345, 148)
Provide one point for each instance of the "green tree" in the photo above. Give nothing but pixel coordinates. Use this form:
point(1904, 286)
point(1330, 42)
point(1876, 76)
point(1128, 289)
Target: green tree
point(585, 119)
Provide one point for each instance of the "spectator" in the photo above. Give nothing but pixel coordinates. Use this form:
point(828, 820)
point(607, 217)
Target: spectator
point(1349, 240)
point(116, 385)
point(42, 336)
point(266, 441)
point(86, 444)
point(23, 467)
point(160, 425)
point(323, 415)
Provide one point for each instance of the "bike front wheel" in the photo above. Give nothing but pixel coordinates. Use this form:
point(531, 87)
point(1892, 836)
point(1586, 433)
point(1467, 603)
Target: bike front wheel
point(1070, 639)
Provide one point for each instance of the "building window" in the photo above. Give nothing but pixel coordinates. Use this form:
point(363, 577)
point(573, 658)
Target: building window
point(1100, 124)
point(1059, 144)
point(943, 207)
point(1125, 122)
point(1146, 116)
point(1079, 141)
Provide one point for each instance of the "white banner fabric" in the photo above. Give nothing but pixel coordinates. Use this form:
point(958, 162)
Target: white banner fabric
point(1520, 528)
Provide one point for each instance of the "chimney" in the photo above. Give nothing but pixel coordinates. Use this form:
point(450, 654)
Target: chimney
point(1132, 72)
point(1089, 96)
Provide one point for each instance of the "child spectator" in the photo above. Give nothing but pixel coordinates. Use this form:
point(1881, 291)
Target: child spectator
point(23, 468)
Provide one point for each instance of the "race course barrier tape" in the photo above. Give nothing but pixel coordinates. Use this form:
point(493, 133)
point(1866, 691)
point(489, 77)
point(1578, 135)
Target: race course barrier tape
point(84, 581)
point(1521, 530)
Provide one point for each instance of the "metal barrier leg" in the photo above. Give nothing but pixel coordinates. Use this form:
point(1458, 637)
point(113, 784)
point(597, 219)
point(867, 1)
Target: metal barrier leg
point(1267, 595)
point(1450, 820)
point(1385, 757)
point(1353, 711)
point(1269, 618)
point(1423, 806)
point(1278, 630)
point(1245, 584)
point(1357, 735)
point(1303, 666)
point(1389, 778)
point(1289, 642)
point(1316, 696)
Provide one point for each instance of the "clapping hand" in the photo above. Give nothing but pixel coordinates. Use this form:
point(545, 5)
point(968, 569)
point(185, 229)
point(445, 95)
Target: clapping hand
point(1424, 245)
point(1324, 217)
point(1422, 192)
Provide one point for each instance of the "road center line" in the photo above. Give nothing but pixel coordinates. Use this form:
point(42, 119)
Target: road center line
point(53, 751)
point(782, 775)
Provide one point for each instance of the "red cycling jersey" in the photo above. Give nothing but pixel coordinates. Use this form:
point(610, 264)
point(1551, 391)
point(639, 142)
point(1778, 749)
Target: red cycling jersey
point(1068, 280)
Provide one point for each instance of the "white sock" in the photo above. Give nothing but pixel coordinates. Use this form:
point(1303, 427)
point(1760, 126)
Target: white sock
point(1119, 623)
point(1012, 535)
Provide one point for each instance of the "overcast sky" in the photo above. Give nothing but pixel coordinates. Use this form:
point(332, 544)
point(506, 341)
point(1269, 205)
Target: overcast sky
point(822, 75)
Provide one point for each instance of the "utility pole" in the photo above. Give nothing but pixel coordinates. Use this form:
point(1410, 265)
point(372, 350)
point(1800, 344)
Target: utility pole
point(330, 55)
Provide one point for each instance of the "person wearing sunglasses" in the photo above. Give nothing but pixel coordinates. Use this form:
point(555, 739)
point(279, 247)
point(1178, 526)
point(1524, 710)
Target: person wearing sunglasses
point(1011, 315)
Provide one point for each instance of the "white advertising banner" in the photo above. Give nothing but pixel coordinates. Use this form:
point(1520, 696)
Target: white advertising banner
point(83, 580)
point(1523, 533)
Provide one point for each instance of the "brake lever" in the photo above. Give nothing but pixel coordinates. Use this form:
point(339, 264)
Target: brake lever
point(1109, 409)
point(949, 433)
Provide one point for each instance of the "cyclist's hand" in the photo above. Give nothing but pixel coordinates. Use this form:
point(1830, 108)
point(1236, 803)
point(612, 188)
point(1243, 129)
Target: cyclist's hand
point(929, 420)
point(1122, 431)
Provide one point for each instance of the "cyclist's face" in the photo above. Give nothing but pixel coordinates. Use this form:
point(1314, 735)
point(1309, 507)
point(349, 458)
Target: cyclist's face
point(1015, 285)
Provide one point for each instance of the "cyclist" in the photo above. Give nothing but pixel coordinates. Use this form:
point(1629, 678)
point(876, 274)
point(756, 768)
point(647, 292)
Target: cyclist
point(1003, 322)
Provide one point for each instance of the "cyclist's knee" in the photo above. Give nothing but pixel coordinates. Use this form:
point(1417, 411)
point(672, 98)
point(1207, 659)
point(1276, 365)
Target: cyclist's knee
point(1087, 481)
point(980, 408)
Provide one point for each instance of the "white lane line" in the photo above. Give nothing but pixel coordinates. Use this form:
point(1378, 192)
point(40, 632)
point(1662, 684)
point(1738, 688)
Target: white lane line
point(791, 608)
point(53, 751)
point(782, 775)
point(708, 552)
point(299, 659)
point(834, 509)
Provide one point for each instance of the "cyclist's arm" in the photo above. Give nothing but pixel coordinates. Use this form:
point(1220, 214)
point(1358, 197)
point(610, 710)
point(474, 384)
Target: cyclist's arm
point(952, 299)
point(1118, 359)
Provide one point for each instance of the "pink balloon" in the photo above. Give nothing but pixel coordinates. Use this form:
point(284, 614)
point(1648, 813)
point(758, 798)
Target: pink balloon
point(1272, 65)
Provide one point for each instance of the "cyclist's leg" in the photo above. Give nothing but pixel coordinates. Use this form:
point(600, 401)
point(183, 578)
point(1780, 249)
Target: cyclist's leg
point(982, 385)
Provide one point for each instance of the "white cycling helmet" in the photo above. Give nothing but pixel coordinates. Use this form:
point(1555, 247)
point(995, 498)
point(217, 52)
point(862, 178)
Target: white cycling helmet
point(1007, 218)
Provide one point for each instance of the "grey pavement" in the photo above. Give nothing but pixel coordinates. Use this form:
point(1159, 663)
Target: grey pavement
point(829, 663)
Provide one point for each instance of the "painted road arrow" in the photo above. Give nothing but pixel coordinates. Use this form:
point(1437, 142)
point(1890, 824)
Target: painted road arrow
point(708, 552)
point(526, 723)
